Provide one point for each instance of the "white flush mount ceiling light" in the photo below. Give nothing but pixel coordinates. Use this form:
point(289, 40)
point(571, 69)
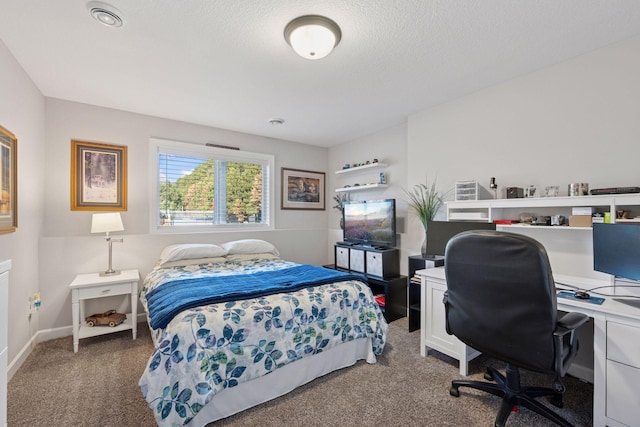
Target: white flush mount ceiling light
point(312, 36)
point(105, 14)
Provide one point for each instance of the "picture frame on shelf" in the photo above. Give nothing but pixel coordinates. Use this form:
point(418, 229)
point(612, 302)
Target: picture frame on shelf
point(98, 176)
point(303, 189)
point(8, 181)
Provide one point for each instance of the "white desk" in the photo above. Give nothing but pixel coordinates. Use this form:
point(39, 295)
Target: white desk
point(616, 347)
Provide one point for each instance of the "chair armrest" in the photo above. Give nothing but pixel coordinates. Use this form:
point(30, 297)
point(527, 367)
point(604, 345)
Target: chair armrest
point(445, 301)
point(572, 321)
point(566, 347)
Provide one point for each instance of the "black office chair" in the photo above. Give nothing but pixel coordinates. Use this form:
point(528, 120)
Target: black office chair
point(501, 300)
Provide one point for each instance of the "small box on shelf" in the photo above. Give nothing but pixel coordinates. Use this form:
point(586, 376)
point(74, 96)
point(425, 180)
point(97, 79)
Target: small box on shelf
point(467, 190)
point(580, 221)
point(515, 193)
point(582, 210)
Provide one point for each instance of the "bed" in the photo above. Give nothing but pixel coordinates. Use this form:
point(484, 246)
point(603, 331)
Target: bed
point(235, 325)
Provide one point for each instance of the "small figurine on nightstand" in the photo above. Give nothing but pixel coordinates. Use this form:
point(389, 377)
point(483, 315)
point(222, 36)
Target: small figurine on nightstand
point(383, 178)
point(110, 318)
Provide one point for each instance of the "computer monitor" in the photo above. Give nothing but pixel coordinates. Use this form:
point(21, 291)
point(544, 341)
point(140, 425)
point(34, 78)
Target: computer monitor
point(616, 249)
point(440, 232)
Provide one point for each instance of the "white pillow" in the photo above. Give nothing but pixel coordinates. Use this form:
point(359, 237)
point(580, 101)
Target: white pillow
point(190, 251)
point(194, 261)
point(249, 246)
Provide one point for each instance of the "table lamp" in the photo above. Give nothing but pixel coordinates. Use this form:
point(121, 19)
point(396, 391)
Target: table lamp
point(105, 223)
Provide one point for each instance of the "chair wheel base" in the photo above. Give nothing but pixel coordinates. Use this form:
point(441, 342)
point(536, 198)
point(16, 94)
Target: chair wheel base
point(453, 391)
point(558, 387)
point(557, 402)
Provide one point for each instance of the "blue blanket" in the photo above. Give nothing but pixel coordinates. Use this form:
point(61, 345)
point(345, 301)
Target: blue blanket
point(171, 298)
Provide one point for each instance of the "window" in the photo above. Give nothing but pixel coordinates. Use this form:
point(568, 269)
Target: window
point(200, 188)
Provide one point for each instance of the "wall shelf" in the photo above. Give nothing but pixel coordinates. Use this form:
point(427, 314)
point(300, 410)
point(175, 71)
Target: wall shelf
point(360, 188)
point(370, 166)
point(492, 209)
point(506, 227)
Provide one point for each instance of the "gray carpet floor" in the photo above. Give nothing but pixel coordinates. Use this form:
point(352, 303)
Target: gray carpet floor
point(98, 387)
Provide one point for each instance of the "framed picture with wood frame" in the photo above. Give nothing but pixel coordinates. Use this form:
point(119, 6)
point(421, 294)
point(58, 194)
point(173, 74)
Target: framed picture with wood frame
point(98, 177)
point(303, 189)
point(8, 181)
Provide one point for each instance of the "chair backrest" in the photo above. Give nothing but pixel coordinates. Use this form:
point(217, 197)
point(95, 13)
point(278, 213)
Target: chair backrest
point(501, 298)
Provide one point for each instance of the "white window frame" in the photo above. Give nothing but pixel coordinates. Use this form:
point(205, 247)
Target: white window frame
point(193, 149)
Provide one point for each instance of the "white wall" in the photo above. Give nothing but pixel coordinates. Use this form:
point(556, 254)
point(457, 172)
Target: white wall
point(22, 113)
point(70, 120)
point(67, 248)
point(388, 146)
point(573, 122)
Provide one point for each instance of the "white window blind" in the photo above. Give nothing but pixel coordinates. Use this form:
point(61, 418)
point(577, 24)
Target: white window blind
point(202, 188)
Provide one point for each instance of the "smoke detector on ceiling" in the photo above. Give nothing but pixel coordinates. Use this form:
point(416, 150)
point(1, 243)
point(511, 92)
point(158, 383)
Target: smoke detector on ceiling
point(105, 14)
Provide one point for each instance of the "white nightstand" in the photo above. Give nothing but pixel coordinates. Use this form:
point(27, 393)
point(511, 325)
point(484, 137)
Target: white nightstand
point(89, 286)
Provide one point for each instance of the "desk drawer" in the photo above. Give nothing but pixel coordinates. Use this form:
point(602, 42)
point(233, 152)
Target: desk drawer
point(104, 290)
point(623, 343)
point(623, 401)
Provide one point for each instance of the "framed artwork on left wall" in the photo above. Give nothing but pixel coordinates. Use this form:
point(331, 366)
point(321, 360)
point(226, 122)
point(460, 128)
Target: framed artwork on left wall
point(98, 177)
point(8, 181)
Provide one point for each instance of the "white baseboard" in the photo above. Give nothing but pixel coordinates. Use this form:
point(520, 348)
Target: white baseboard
point(42, 336)
point(585, 373)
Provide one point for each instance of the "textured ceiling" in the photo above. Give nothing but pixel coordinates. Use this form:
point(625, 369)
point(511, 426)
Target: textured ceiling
point(225, 63)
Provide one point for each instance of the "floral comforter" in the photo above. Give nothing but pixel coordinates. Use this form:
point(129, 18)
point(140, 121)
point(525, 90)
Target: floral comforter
point(204, 350)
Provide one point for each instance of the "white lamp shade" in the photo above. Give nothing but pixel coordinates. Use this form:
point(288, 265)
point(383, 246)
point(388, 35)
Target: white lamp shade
point(312, 37)
point(312, 41)
point(106, 222)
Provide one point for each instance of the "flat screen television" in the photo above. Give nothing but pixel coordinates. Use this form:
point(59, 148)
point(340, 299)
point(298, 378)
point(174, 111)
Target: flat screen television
point(370, 222)
point(616, 250)
point(439, 233)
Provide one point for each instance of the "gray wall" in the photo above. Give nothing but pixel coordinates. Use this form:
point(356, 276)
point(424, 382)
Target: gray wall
point(22, 113)
point(53, 243)
point(67, 247)
point(573, 122)
point(388, 146)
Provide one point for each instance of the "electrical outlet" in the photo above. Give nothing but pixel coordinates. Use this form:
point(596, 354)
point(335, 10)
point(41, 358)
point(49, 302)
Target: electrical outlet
point(34, 303)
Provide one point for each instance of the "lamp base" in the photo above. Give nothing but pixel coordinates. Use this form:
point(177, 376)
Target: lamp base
point(109, 273)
